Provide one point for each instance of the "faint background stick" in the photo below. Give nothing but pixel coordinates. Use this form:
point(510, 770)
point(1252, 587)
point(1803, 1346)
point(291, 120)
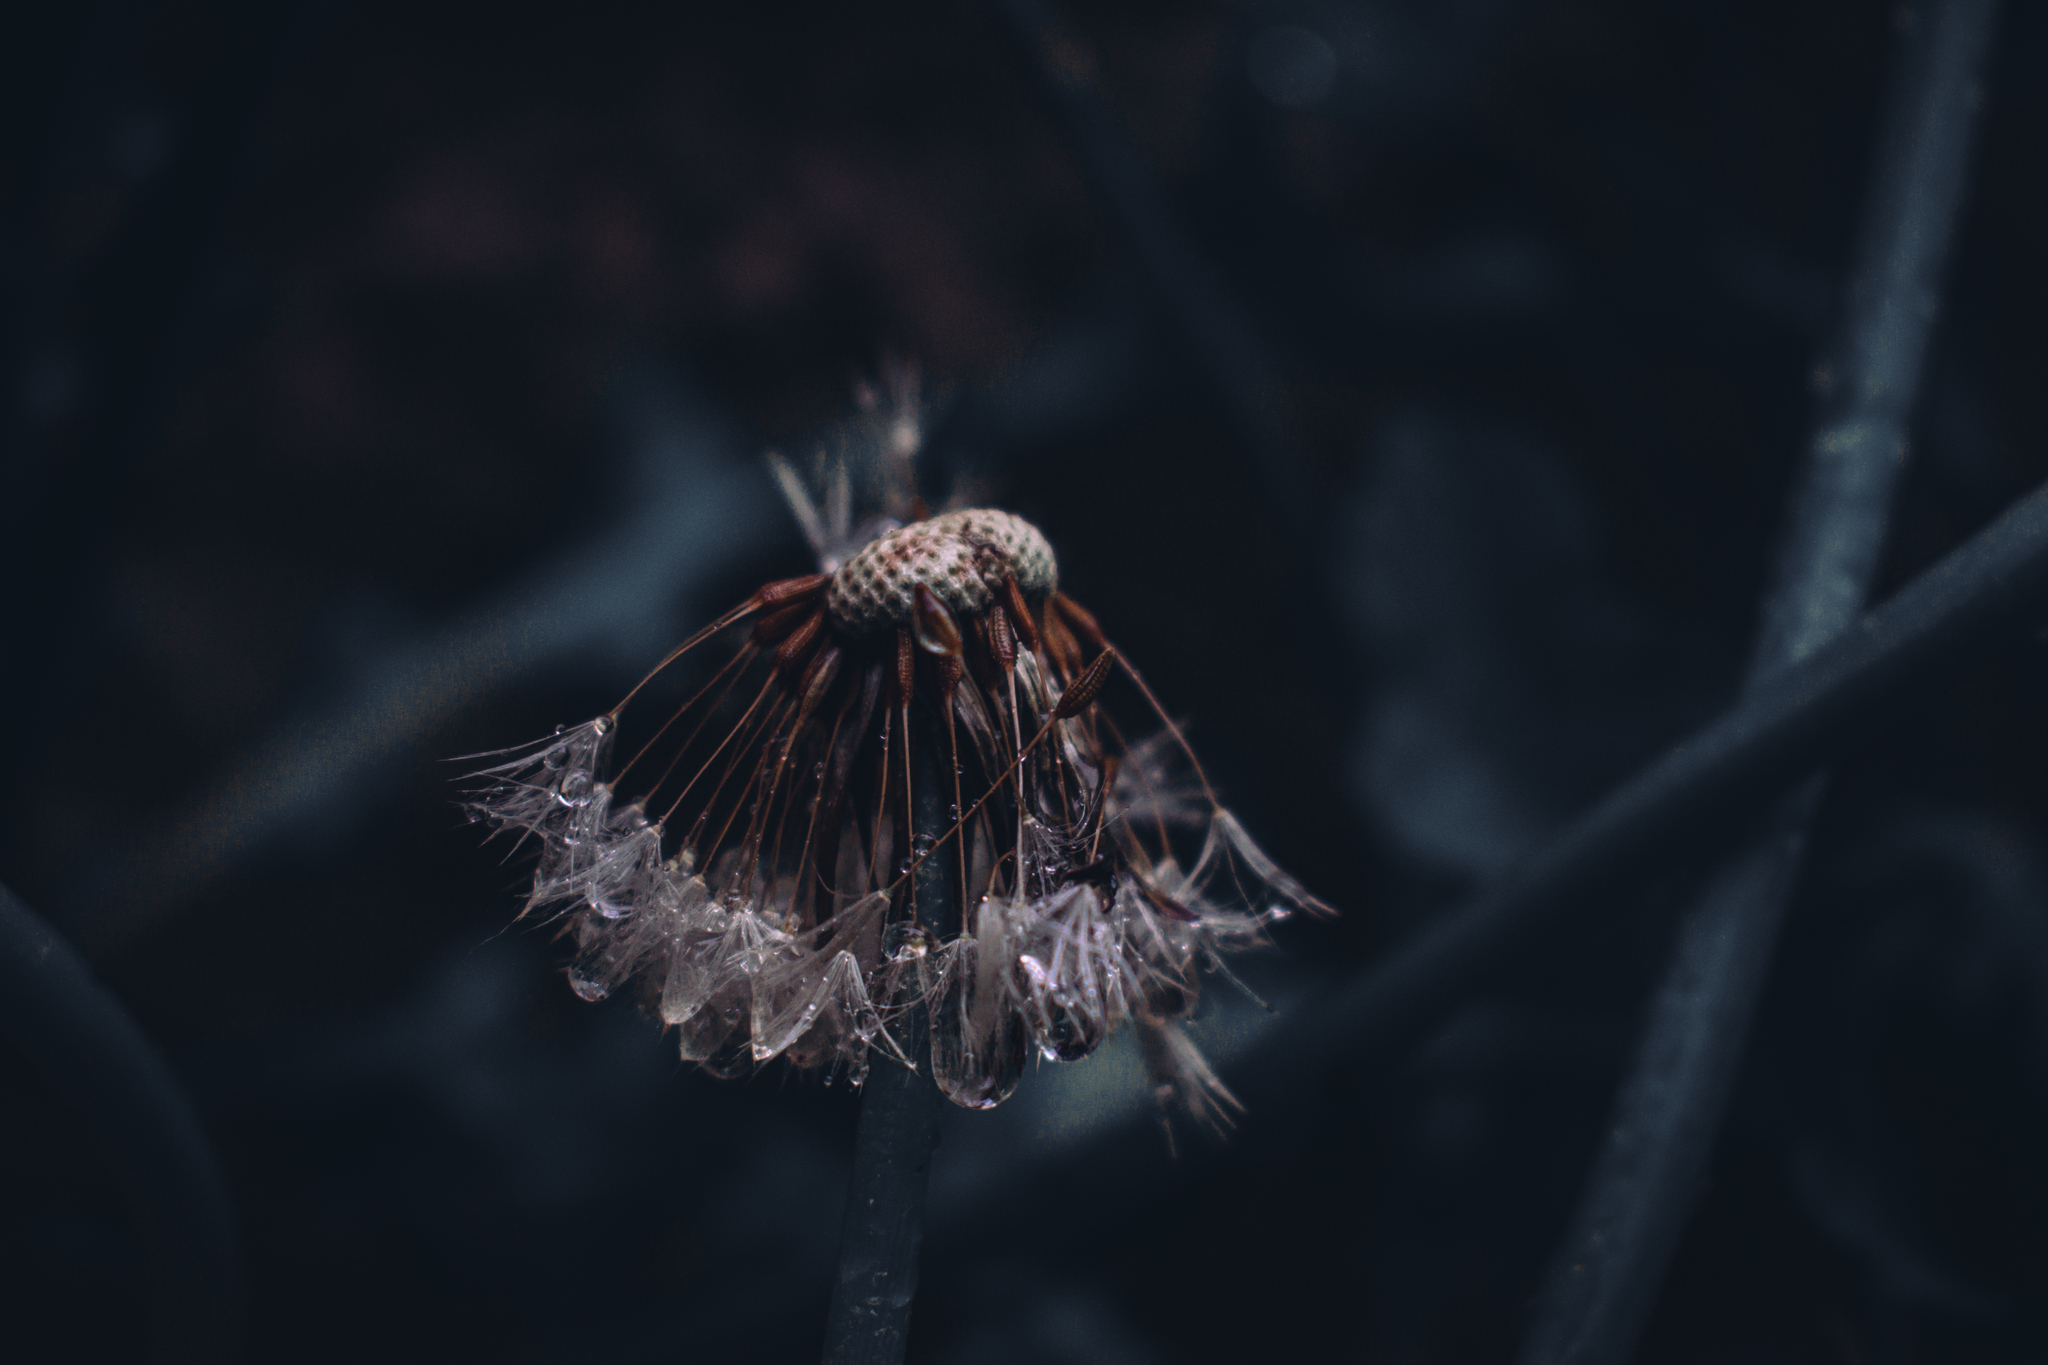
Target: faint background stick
point(1646, 1178)
point(94, 1055)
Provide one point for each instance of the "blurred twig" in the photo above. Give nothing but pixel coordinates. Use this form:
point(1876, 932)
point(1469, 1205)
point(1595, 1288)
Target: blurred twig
point(1607, 1272)
point(92, 1052)
point(1986, 590)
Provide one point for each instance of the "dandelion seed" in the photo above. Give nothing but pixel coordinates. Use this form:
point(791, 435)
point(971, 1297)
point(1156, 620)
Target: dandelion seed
point(756, 883)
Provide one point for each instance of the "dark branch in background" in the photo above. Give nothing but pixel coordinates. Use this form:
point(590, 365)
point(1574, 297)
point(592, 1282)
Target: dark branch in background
point(92, 1053)
point(1829, 555)
point(899, 1126)
point(1991, 588)
point(1063, 68)
point(1608, 1270)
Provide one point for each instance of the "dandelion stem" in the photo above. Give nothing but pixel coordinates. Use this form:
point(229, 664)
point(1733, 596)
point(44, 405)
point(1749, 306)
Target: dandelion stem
point(1608, 1270)
point(899, 1126)
point(94, 1055)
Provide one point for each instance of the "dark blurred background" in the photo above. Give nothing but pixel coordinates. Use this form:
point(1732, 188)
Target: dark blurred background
point(389, 382)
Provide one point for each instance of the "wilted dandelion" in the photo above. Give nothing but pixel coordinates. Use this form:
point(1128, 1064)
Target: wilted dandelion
point(756, 883)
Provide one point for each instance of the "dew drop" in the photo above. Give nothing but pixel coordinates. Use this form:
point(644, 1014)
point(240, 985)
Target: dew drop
point(586, 988)
point(922, 845)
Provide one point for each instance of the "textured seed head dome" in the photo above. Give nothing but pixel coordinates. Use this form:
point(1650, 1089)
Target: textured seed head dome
point(961, 556)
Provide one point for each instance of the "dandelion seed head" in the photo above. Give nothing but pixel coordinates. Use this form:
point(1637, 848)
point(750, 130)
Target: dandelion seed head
point(962, 557)
point(749, 863)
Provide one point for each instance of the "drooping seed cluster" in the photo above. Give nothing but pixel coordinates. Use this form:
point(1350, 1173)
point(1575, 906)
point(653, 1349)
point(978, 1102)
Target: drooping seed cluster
point(765, 909)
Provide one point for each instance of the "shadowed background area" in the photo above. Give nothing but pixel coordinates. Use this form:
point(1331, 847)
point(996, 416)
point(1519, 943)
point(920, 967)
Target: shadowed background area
point(1411, 389)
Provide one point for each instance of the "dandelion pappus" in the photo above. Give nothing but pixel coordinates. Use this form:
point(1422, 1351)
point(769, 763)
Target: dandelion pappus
point(764, 903)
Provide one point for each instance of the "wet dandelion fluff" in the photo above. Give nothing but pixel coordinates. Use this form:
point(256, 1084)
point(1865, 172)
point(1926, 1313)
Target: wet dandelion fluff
point(756, 882)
